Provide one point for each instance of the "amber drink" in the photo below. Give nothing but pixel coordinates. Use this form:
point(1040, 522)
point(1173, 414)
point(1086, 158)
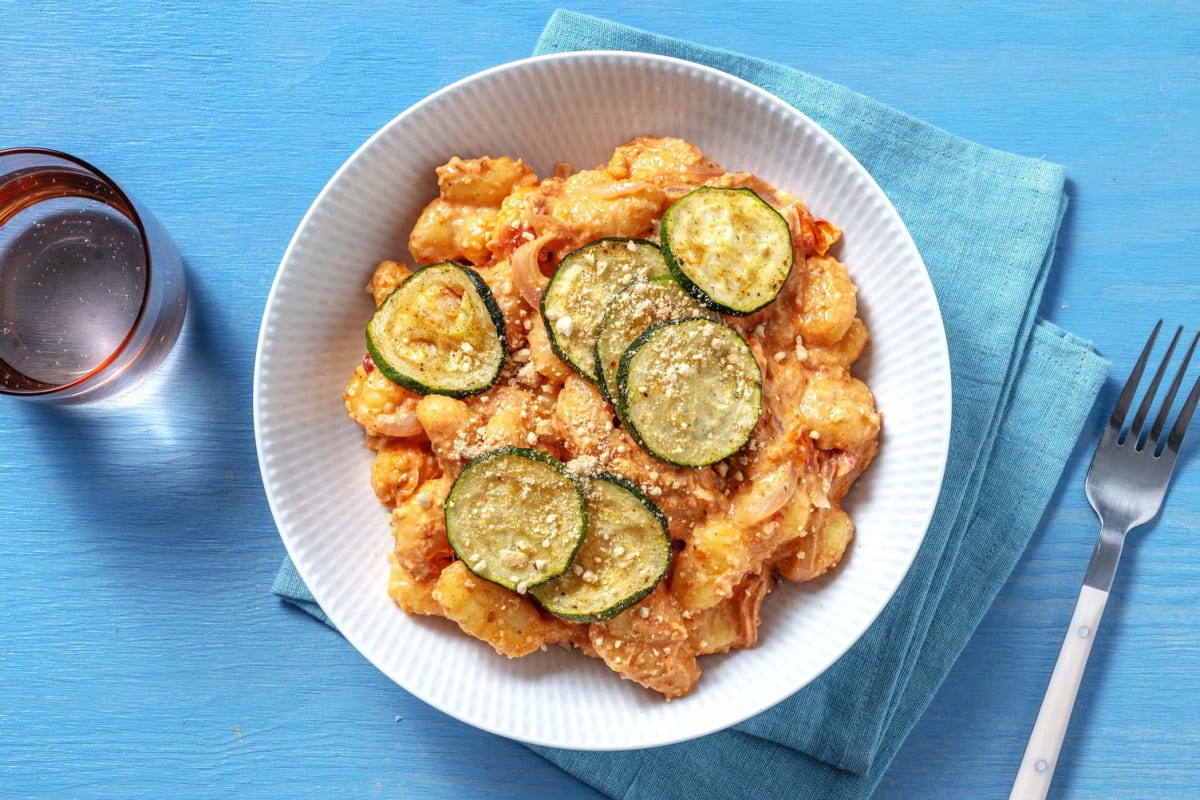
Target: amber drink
point(92, 291)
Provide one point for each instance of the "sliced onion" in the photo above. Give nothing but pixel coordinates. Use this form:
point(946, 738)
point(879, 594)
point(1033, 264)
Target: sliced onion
point(820, 496)
point(749, 604)
point(545, 224)
point(401, 423)
point(617, 189)
point(703, 171)
point(527, 271)
point(792, 215)
point(677, 190)
point(765, 495)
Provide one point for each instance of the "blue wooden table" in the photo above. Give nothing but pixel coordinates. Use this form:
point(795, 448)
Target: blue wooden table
point(141, 653)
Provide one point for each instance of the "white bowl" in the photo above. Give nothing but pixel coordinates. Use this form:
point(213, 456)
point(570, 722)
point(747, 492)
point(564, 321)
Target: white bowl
point(577, 107)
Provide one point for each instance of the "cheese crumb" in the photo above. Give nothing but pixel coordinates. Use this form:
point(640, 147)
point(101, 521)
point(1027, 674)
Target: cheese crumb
point(513, 559)
point(565, 325)
point(527, 375)
point(582, 466)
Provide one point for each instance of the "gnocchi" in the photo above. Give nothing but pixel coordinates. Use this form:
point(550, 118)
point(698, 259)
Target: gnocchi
point(770, 512)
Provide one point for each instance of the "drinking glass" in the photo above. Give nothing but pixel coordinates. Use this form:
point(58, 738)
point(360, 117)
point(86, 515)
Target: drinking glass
point(92, 290)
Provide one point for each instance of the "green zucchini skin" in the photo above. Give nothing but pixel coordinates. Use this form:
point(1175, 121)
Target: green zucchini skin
point(728, 247)
point(689, 391)
point(636, 307)
point(616, 568)
point(573, 302)
point(501, 533)
point(430, 371)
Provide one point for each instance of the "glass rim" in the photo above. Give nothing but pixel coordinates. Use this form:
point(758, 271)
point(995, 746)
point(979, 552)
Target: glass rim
point(131, 211)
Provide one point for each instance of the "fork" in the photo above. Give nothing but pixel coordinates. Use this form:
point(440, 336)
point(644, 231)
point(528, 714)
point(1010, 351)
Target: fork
point(1125, 485)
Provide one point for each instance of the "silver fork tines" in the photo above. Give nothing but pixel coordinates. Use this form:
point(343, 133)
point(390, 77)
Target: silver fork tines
point(1130, 472)
point(1185, 415)
point(1125, 485)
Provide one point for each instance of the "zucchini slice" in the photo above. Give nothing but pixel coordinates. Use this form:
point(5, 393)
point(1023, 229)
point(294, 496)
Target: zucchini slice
point(439, 332)
point(583, 285)
point(635, 308)
point(515, 517)
point(689, 391)
point(728, 247)
point(624, 555)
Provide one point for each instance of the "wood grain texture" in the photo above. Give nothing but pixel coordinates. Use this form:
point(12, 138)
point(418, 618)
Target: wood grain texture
point(141, 654)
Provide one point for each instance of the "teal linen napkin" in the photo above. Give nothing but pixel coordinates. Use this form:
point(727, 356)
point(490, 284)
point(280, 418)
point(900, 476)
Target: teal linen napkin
point(985, 223)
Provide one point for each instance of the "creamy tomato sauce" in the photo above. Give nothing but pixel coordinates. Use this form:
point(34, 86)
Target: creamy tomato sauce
point(770, 512)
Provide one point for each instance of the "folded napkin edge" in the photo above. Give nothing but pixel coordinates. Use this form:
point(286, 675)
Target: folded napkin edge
point(1053, 333)
point(1048, 176)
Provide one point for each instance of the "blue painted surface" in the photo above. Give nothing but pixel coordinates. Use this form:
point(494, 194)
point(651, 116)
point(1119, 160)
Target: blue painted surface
point(141, 653)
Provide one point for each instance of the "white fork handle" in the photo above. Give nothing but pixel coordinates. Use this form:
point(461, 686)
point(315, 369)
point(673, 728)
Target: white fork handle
point(1045, 742)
